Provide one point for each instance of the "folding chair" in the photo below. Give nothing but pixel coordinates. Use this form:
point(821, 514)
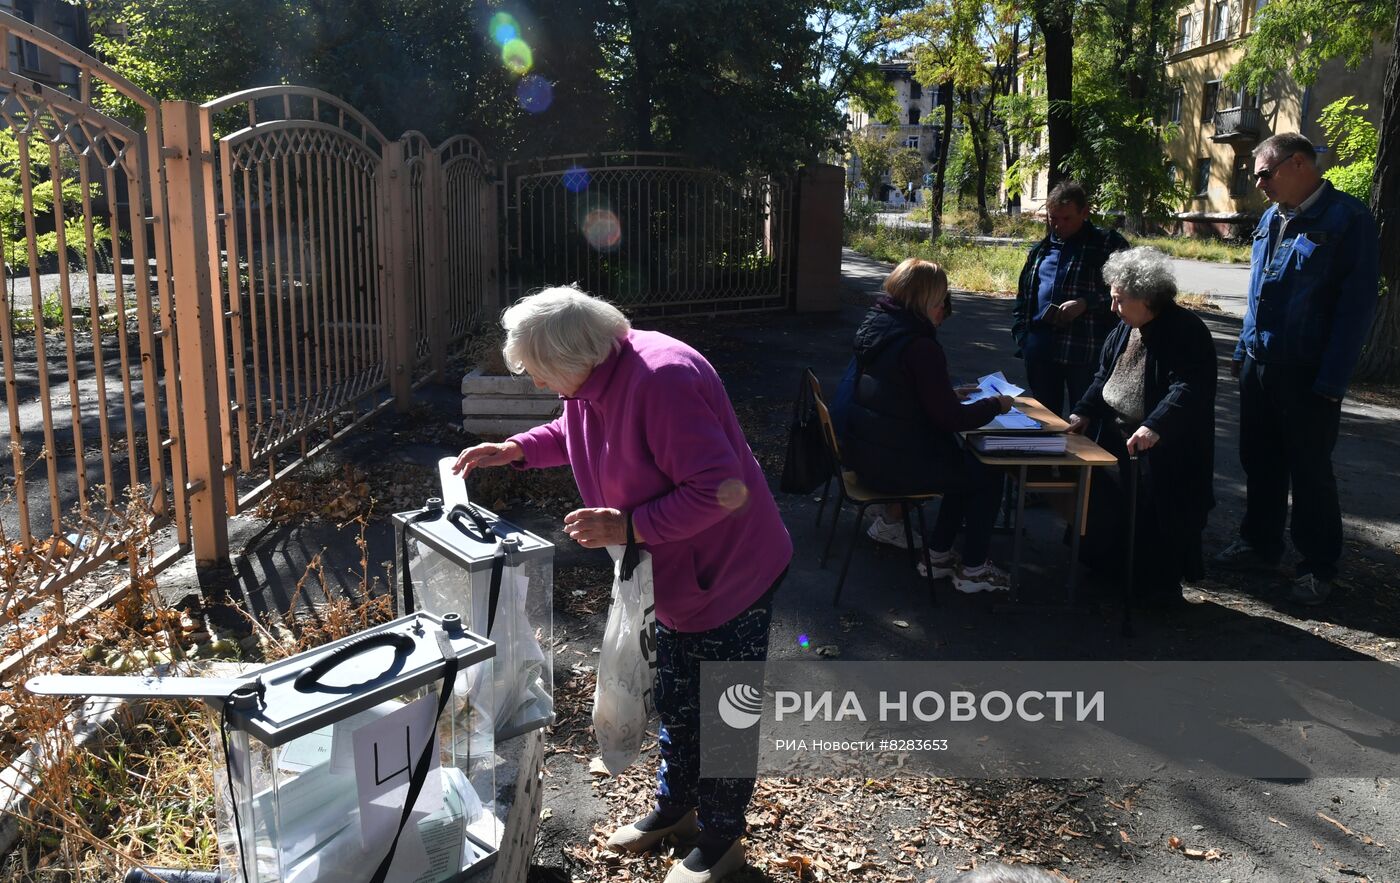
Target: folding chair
point(849, 488)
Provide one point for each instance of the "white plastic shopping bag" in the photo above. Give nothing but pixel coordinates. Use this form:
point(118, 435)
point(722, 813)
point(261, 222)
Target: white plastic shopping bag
point(623, 699)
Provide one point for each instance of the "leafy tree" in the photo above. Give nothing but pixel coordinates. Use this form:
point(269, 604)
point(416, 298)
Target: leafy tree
point(906, 169)
point(971, 44)
point(1120, 88)
point(42, 179)
point(875, 150)
point(1355, 140)
point(730, 82)
point(1300, 36)
point(849, 36)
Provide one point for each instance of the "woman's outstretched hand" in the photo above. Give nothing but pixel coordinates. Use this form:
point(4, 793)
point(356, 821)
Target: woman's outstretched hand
point(596, 528)
point(486, 454)
point(1078, 423)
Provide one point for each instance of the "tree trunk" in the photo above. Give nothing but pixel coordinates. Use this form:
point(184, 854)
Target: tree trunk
point(1380, 360)
point(1055, 18)
point(644, 77)
point(981, 157)
point(945, 145)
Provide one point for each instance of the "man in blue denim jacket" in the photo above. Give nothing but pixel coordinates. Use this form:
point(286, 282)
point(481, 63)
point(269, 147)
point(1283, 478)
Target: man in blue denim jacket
point(1313, 286)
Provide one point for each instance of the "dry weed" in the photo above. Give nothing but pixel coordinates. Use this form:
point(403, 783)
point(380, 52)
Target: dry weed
point(145, 795)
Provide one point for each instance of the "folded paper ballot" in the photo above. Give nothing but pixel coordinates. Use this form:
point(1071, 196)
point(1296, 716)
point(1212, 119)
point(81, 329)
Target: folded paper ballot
point(994, 385)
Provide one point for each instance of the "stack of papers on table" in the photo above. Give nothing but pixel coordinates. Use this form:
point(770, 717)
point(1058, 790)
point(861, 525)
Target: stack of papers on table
point(1015, 420)
point(1021, 444)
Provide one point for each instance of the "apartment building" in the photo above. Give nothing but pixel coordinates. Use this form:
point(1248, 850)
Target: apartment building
point(1220, 126)
point(918, 124)
point(66, 21)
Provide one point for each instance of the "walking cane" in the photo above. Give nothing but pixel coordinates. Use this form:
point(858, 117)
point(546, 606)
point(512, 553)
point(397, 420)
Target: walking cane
point(1128, 592)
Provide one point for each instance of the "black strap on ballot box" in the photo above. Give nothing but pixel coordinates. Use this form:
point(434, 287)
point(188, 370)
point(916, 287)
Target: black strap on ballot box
point(425, 759)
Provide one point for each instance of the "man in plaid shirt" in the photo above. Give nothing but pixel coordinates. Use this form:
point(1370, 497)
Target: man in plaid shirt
point(1062, 312)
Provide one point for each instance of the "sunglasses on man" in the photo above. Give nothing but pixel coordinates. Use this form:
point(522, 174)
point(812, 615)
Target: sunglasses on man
point(1268, 172)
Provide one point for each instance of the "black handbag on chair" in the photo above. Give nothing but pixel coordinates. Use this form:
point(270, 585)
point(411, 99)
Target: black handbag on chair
point(808, 463)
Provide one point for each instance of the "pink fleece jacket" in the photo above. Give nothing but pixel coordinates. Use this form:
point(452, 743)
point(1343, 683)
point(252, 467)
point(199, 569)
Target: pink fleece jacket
point(651, 431)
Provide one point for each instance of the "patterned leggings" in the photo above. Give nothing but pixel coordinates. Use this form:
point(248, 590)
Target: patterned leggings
point(721, 803)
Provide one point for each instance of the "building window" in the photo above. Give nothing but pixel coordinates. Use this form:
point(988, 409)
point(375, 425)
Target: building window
point(1174, 115)
point(1202, 176)
point(1243, 176)
point(916, 91)
point(1035, 186)
point(1220, 21)
point(912, 142)
point(1210, 98)
point(1186, 32)
point(1171, 173)
point(913, 116)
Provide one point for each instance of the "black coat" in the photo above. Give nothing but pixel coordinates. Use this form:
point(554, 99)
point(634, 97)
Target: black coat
point(1179, 402)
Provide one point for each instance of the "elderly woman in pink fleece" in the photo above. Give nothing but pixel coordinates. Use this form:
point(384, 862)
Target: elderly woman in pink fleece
point(653, 440)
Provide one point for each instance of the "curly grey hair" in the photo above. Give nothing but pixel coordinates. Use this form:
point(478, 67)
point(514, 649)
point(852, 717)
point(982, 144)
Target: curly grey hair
point(1143, 274)
point(561, 332)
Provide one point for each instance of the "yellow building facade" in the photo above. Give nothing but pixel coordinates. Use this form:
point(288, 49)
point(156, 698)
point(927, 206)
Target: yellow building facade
point(1220, 126)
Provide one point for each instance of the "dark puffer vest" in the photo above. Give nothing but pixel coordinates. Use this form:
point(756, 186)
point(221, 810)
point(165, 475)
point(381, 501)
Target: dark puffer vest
point(887, 428)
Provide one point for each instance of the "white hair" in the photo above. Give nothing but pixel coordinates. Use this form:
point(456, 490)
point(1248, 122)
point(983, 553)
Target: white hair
point(1143, 274)
point(561, 332)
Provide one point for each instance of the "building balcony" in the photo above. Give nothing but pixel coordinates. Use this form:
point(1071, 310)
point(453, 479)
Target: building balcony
point(1237, 124)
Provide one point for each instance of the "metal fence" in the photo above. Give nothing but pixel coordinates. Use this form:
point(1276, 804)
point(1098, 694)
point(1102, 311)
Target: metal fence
point(88, 338)
point(650, 232)
point(315, 272)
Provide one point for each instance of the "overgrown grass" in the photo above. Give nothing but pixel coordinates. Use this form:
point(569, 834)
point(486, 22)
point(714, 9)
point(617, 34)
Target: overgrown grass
point(965, 222)
point(1196, 249)
point(993, 268)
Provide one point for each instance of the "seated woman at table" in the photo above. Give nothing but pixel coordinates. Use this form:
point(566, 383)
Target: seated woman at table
point(902, 420)
point(1153, 398)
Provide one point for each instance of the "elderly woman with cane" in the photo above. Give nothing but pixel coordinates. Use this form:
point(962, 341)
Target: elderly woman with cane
point(1152, 403)
point(658, 454)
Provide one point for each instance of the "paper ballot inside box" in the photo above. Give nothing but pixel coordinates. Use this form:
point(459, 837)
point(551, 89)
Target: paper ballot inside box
point(464, 557)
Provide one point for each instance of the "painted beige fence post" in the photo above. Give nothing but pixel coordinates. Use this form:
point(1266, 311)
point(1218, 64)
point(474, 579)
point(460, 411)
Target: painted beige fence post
point(434, 274)
point(196, 325)
point(398, 275)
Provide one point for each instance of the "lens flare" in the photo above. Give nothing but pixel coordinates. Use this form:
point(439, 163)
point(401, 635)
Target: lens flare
point(732, 494)
point(517, 57)
point(803, 641)
point(535, 94)
point(503, 28)
point(602, 229)
point(576, 179)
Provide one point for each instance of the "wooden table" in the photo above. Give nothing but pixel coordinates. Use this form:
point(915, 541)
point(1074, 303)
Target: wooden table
point(1081, 456)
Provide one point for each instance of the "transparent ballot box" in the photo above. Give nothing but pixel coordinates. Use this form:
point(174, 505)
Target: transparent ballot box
point(316, 761)
point(502, 579)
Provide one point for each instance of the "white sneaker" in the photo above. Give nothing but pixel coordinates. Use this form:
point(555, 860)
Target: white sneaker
point(891, 533)
point(986, 577)
point(944, 564)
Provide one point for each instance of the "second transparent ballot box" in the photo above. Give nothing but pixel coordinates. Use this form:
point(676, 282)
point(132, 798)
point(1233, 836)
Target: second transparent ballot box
point(502, 579)
point(316, 766)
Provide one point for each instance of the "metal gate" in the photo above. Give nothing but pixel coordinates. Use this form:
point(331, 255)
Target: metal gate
point(88, 339)
point(650, 232)
point(317, 272)
point(290, 184)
